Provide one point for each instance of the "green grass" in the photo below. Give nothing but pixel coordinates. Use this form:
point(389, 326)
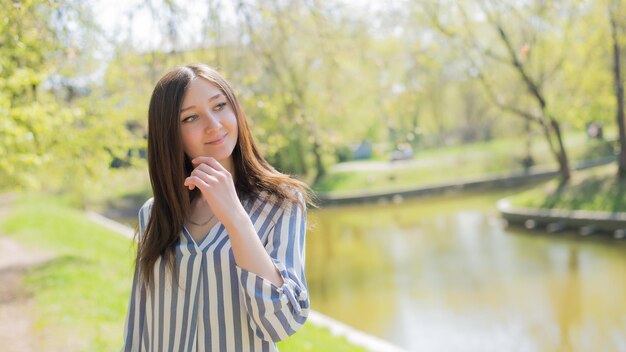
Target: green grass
point(406, 177)
point(594, 189)
point(313, 338)
point(449, 164)
point(81, 296)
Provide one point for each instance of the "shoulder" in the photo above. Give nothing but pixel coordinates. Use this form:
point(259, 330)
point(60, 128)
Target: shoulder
point(146, 208)
point(297, 199)
point(144, 214)
point(275, 207)
point(293, 205)
point(290, 198)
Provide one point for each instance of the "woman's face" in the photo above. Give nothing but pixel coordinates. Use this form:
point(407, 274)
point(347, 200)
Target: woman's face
point(207, 122)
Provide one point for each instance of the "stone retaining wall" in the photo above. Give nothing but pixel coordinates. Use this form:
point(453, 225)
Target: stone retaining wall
point(584, 222)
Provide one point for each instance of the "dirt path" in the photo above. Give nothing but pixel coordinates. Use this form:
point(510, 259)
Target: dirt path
point(17, 309)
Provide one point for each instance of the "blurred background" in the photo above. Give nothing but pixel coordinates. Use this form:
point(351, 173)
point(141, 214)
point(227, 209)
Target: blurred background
point(369, 102)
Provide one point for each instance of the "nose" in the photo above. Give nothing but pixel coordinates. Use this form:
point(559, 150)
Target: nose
point(212, 122)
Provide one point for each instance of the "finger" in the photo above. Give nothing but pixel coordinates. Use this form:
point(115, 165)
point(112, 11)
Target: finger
point(207, 169)
point(220, 176)
point(209, 161)
point(216, 165)
point(195, 181)
point(189, 184)
point(201, 159)
point(205, 177)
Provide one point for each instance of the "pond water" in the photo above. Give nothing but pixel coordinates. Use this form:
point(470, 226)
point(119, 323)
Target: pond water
point(446, 274)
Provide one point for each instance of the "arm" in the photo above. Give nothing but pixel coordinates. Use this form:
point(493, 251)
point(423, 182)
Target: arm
point(278, 311)
point(218, 190)
point(248, 250)
point(271, 276)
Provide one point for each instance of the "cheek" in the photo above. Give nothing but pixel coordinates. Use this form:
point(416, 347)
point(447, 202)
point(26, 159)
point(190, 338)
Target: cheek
point(233, 124)
point(188, 137)
point(236, 128)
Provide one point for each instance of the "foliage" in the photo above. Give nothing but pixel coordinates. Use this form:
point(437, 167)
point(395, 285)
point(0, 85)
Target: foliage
point(316, 78)
point(50, 138)
point(26, 41)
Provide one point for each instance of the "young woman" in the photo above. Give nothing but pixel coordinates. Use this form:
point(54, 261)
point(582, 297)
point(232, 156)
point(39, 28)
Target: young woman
point(220, 262)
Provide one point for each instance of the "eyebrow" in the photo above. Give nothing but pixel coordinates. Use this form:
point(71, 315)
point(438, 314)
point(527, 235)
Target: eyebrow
point(210, 100)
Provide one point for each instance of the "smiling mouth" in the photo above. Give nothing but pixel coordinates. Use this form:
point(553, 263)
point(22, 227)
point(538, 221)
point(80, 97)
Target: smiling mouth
point(217, 141)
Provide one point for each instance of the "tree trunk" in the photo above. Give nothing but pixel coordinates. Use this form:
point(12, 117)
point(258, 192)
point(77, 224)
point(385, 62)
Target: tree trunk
point(320, 170)
point(561, 154)
point(534, 88)
point(619, 94)
point(528, 161)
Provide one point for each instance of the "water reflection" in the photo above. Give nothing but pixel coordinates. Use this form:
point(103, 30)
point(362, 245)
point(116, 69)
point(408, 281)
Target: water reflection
point(442, 274)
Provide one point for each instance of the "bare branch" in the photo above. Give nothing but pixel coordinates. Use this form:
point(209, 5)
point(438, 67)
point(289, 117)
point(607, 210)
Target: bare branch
point(515, 60)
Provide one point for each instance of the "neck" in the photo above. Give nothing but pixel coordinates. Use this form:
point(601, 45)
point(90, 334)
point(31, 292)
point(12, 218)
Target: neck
point(200, 210)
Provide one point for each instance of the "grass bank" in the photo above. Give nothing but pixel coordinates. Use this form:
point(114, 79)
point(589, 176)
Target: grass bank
point(593, 189)
point(449, 164)
point(81, 296)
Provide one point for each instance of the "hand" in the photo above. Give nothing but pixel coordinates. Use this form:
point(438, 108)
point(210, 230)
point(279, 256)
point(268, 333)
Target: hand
point(217, 187)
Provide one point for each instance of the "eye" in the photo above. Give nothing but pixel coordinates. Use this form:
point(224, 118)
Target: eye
point(220, 106)
point(189, 118)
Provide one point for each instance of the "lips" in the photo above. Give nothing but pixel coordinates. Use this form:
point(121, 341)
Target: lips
point(217, 141)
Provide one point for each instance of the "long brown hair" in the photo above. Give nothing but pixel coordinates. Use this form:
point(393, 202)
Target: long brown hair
point(169, 166)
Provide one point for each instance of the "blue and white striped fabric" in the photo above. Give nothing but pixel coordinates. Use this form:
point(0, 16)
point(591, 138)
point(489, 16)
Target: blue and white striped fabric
point(218, 306)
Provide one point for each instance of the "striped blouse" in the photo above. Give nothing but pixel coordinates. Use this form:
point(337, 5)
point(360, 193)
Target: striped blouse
point(218, 306)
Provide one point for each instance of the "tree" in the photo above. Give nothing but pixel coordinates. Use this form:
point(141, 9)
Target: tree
point(26, 43)
point(295, 46)
point(49, 139)
point(514, 54)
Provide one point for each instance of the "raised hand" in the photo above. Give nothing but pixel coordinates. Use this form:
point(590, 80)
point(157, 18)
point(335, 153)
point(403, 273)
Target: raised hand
point(217, 187)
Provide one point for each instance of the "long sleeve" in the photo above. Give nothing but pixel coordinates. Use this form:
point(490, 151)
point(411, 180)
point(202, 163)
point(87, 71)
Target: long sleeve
point(135, 325)
point(278, 312)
